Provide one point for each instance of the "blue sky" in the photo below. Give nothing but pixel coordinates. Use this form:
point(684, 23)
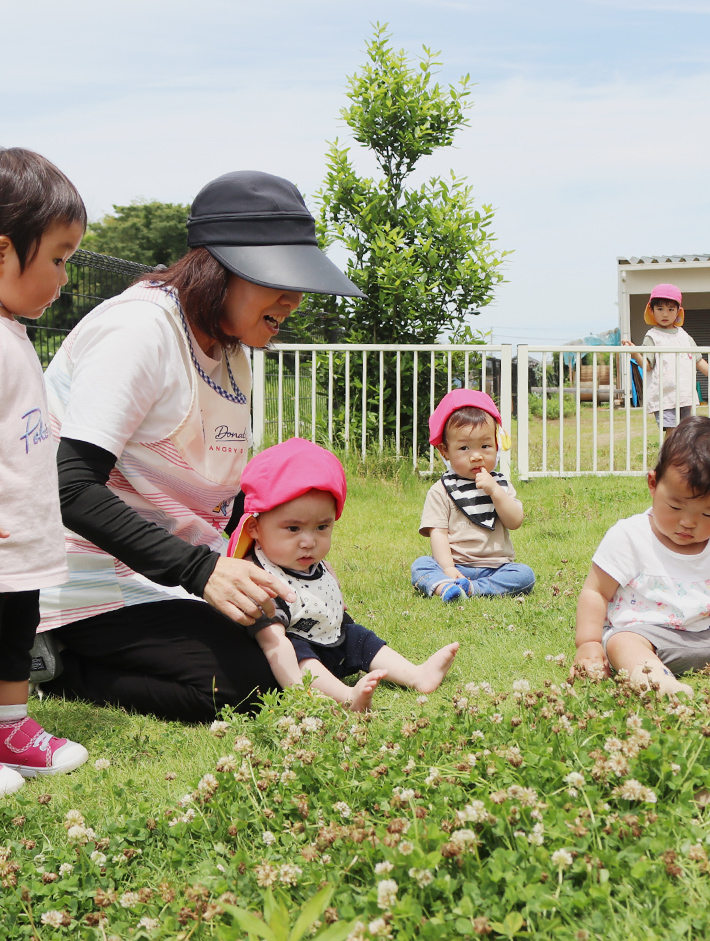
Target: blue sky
point(589, 134)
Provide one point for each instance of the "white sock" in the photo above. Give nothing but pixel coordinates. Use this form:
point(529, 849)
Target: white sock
point(10, 714)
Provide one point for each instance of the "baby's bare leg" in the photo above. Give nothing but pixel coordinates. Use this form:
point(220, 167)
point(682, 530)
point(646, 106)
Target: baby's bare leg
point(631, 652)
point(358, 697)
point(280, 655)
point(425, 678)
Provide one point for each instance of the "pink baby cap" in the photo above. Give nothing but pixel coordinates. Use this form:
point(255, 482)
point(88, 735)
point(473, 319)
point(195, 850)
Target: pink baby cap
point(668, 292)
point(282, 473)
point(459, 398)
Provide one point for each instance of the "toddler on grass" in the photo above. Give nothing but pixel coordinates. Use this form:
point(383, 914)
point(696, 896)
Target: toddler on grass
point(665, 314)
point(42, 220)
point(645, 606)
point(468, 512)
point(293, 494)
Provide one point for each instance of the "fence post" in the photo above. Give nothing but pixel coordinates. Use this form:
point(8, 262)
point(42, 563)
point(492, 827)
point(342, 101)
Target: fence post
point(506, 399)
point(258, 398)
point(523, 425)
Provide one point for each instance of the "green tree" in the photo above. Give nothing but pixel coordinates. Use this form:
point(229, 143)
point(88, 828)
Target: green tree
point(423, 255)
point(151, 233)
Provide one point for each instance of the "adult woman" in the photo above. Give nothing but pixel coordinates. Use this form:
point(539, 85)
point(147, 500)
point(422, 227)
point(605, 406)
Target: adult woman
point(149, 395)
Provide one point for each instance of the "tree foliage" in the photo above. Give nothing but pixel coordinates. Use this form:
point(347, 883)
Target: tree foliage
point(422, 254)
point(151, 233)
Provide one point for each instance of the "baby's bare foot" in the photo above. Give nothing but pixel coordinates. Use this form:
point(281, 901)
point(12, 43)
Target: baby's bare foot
point(432, 672)
point(364, 689)
point(645, 674)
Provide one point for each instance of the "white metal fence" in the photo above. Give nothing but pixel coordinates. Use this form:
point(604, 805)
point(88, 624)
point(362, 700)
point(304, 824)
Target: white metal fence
point(564, 423)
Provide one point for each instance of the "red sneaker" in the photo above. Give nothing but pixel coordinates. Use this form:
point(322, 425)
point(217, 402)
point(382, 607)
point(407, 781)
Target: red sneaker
point(27, 748)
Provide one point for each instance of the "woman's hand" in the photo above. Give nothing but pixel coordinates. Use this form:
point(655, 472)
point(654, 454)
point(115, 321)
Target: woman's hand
point(242, 591)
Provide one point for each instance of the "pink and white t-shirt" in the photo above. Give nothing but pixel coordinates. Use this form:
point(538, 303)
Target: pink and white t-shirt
point(34, 555)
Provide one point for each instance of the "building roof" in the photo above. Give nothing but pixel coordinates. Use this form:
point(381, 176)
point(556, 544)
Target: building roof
point(662, 259)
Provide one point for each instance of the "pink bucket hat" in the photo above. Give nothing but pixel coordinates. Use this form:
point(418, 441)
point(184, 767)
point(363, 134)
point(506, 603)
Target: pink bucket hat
point(669, 292)
point(282, 473)
point(461, 398)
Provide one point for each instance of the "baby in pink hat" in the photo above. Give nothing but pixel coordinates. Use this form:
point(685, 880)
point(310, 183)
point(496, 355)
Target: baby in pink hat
point(468, 512)
point(665, 315)
point(293, 494)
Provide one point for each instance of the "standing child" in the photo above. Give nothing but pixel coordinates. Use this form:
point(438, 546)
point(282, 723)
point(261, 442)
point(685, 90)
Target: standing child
point(42, 220)
point(645, 606)
point(293, 494)
point(468, 512)
point(665, 314)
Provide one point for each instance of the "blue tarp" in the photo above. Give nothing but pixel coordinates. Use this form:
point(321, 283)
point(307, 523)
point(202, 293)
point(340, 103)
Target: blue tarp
point(607, 338)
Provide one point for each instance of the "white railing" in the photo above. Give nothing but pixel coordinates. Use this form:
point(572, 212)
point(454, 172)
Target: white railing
point(365, 397)
point(610, 435)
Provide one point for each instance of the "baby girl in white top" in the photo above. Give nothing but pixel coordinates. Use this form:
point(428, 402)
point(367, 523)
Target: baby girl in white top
point(645, 606)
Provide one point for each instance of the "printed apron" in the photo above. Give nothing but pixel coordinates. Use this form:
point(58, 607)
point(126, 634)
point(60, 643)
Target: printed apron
point(186, 483)
point(686, 371)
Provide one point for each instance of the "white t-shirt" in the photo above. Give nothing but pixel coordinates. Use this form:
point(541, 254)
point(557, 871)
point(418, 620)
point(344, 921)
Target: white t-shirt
point(656, 585)
point(33, 556)
point(145, 389)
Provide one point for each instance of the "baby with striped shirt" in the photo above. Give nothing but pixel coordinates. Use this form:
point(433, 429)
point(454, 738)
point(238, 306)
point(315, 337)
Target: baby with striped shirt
point(468, 512)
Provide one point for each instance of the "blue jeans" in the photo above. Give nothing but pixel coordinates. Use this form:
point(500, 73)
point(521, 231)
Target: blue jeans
point(512, 578)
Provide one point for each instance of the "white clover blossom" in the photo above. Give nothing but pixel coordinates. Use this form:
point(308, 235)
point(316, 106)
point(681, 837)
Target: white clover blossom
point(422, 700)
point(379, 928)
point(383, 868)
point(98, 858)
point(53, 918)
point(268, 837)
point(464, 838)
point(66, 869)
point(340, 807)
point(208, 783)
point(266, 875)
point(521, 686)
point(496, 718)
point(410, 766)
point(129, 900)
point(73, 818)
point(101, 764)
point(311, 724)
point(242, 744)
point(537, 836)
point(150, 924)
point(633, 790)
point(405, 847)
point(562, 859)
point(675, 768)
point(219, 729)
point(288, 776)
point(77, 833)
point(423, 877)
point(475, 812)
point(289, 874)
point(528, 654)
point(39, 859)
point(433, 778)
point(386, 893)
point(574, 779)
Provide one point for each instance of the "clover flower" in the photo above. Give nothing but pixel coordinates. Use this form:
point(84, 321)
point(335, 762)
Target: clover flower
point(386, 893)
point(521, 686)
point(423, 877)
point(226, 763)
point(433, 778)
point(150, 924)
point(98, 858)
point(574, 779)
point(633, 790)
point(129, 900)
point(405, 847)
point(312, 724)
point(53, 918)
point(289, 874)
point(268, 837)
point(466, 839)
point(219, 729)
point(475, 812)
point(379, 928)
point(101, 764)
point(66, 869)
point(243, 744)
point(266, 875)
point(561, 859)
point(410, 766)
point(496, 718)
point(537, 836)
point(208, 784)
point(528, 654)
point(340, 807)
point(73, 818)
point(383, 867)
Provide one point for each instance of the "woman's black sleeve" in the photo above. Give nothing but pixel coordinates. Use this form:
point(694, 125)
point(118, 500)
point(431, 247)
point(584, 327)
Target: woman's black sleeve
point(93, 511)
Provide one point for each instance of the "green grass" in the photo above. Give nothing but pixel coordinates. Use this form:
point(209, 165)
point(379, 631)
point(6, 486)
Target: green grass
point(154, 763)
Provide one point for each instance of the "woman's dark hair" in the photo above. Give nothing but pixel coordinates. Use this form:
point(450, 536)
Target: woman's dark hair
point(34, 195)
point(467, 417)
point(687, 448)
point(201, 284)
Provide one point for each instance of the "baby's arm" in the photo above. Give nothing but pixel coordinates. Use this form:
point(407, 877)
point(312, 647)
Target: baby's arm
point(280, 654)
point(509, 509)
point(441, 551)
point(596, 593)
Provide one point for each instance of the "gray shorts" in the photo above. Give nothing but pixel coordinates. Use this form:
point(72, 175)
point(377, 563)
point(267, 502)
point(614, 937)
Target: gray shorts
point(681, 651)
point(669, 415)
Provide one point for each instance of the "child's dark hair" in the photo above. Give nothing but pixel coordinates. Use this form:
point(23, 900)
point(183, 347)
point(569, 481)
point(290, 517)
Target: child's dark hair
point(201, 284)
point(687, 448)
point(34, 195)
point(467, 417)
point(657, 301)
